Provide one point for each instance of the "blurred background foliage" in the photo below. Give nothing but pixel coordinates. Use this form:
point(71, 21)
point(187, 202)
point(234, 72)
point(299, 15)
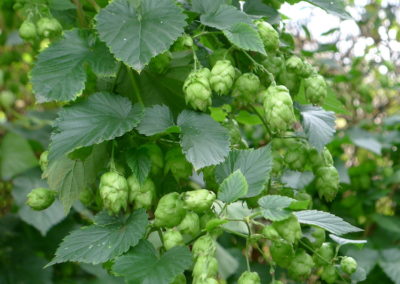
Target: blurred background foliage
point(359, 56)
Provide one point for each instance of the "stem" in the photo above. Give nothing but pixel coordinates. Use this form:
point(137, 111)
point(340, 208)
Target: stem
point(112, 161)
point(222, 210)
point(95, 5)
point(206, 33)
point(247, 245)
point(80, 13)
point(195, 59)
point(262, 119)
point(135, 85)
point(261, 67)
point(235, 233)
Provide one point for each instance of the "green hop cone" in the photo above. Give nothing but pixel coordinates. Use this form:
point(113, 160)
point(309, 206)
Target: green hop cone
point(301, 265)
point(44, 160)
point(315, 237)
point(197, 89)
point(282, 253)
point(295, 65)
point(114, 192)
point(182, 43)
point(86, 196)
point(203, 246)
point(206, 266)
point(289, 80)
point(308, 70)
point(246, 87)
point(248, 277)
point(27, 30)
point(324, 255)
point(327, 182)
point(172, 238)
point(329, 274)
point(170, 211)
point(180, 279)
point(289, 229)
point(270, 233)
point(348, 264)
point(198, 200)
point(7, 99)
point(142, 195)
point(190, 225)
point(268, 34)
point(176, 162)
point(156, 156)
point(273, 63)
point(48, 26)
point(160, 63)
point(222, 77)
point(221, 54)
point(315, 89)
point(320, 159)
point(278, 106)
point(41, 198)
point(277, 163)
point(296, 156)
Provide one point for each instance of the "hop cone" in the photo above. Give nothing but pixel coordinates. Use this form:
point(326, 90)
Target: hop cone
point(289, 229)
point(172, 238)
point(27, 30)
point(246, 87)
point(248, 277)
point(320, 159)
point(301, 265)
point(329, 274)
point(296, 156)
point(205, 266)
point(282, 253)
point(44, 160)
point(114, 192)
point(278, 106)
point(197, 89)
point(221, 54)
point(142, 195)
point(222, 77)
point(348, 264)
point(41, 198)
point(323, 254)
point(203, 246)
point(327, 182)
point(170, 211)
point(198, 200)
point(156, 156)
point(268, 34)
point(160, 63)
point(295, 65)
point(190, 225)
point(273, 63)
point(315, 89)
point(176, 162)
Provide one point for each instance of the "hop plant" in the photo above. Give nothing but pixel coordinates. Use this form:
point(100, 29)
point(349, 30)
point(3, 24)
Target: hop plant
point(301, 265)
point(289, 80)
point(246, 87)
point(176, 163)
point(28, 30)
point(170, 211)
point(295, 65)
point(296, 156)
point(7, 99)
point(315, 89)
point(289, 229)
point(348, 264)
point(48, 26)
point(248, 277)
point(114, 192)
point(278, 106)
point(327, 182)
point(203, 246)
point(190, 225)
point(172, 238)
point(197, 89)
point(268, 34)
point(41, 198)
point(180, 279)
point(142, 195)
point(222, 77)
point(198, 200)
point(316, 237)
point(308, 70)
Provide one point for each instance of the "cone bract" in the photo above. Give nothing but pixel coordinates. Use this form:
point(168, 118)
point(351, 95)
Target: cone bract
point(41, 198)
point(248, 277)
point(142, 195)
point(170, 211)
point(198, 200)
point(172, 238)
point(222, 77)
point(197, 89)
point(114, 192)
point(315, 89)
point(327, 182)
point(268, 34)
point(246, 87)
point(176, 162)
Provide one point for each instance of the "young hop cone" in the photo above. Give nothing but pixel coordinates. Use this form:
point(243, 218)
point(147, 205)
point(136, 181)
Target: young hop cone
point(172, 238)
point(348, 264)
point(198, 200)
point(268, 34)
point(248, 277)
point(190, 225)
point(27, 30)
point(246, 87)
point(274, 63)
point(205, 266)
point(114, 192)
point(327, 182)
point(296, 156)
point(197, 89)
point(289, 229)
point(203, 246)
point(278, 106)
point(48, 26)
point(142, 195)
point(301, 265)
point(315, 89)
point(222, 77)
point(295, 65)
point(41, 198)
point(170, 211)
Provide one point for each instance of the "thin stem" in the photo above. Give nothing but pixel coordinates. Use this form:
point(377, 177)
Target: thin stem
point(261, 67)
point(195, 59)
point(206, 33)
point(112, 161)
point(262, 120)
point(95, 5)
point(80, 13)
point(248, 245)
point(223, 209)
point(135, 85)
point(235, 233)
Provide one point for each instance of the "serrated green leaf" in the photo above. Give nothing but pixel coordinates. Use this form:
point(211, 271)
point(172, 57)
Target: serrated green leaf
point(141, 265)
point(102, 117)
point(275, 207)
point(390, 263)
point(204, 141)
point(207, 6)
point(254, 164)
point(140, 164)
point(325, 220)
point(233, 187)
point(69, 177)
point(297, 180)
point(156, 119)
point(108, 238)
point(42, 220)
point(366, 140)
point(16, 156)
point(343, 241)
point(59, 73)
point(332, 103)
point(245, 37)
point(335, 7)
point(225, 17)
point(318, 124)
point(137, 34)
point(245, 117)
point(258, 8)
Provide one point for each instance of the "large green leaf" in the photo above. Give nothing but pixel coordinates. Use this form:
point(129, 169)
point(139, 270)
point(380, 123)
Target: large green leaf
point(59, 73)
point(204, 141)
point(275, 207)
point(318, 124)
point(156, 119)
point(69, 177)
point(42, 220)
point(140, 163)
point(107, 238)
point(136, 33)
point(258, 8)
point(245, 37)
point(102, 117)
point(390, 263)
point(142, 265)
point(254, 164)
point(327, 221)
point(207, 6)
point(16, 156)
point(225, 17)
point(233, 187)
point(335, 7)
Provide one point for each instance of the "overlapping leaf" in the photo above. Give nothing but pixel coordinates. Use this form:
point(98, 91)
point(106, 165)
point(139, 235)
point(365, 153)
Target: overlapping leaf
point(156, 119)
point(233, 187)
point(275, 207)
